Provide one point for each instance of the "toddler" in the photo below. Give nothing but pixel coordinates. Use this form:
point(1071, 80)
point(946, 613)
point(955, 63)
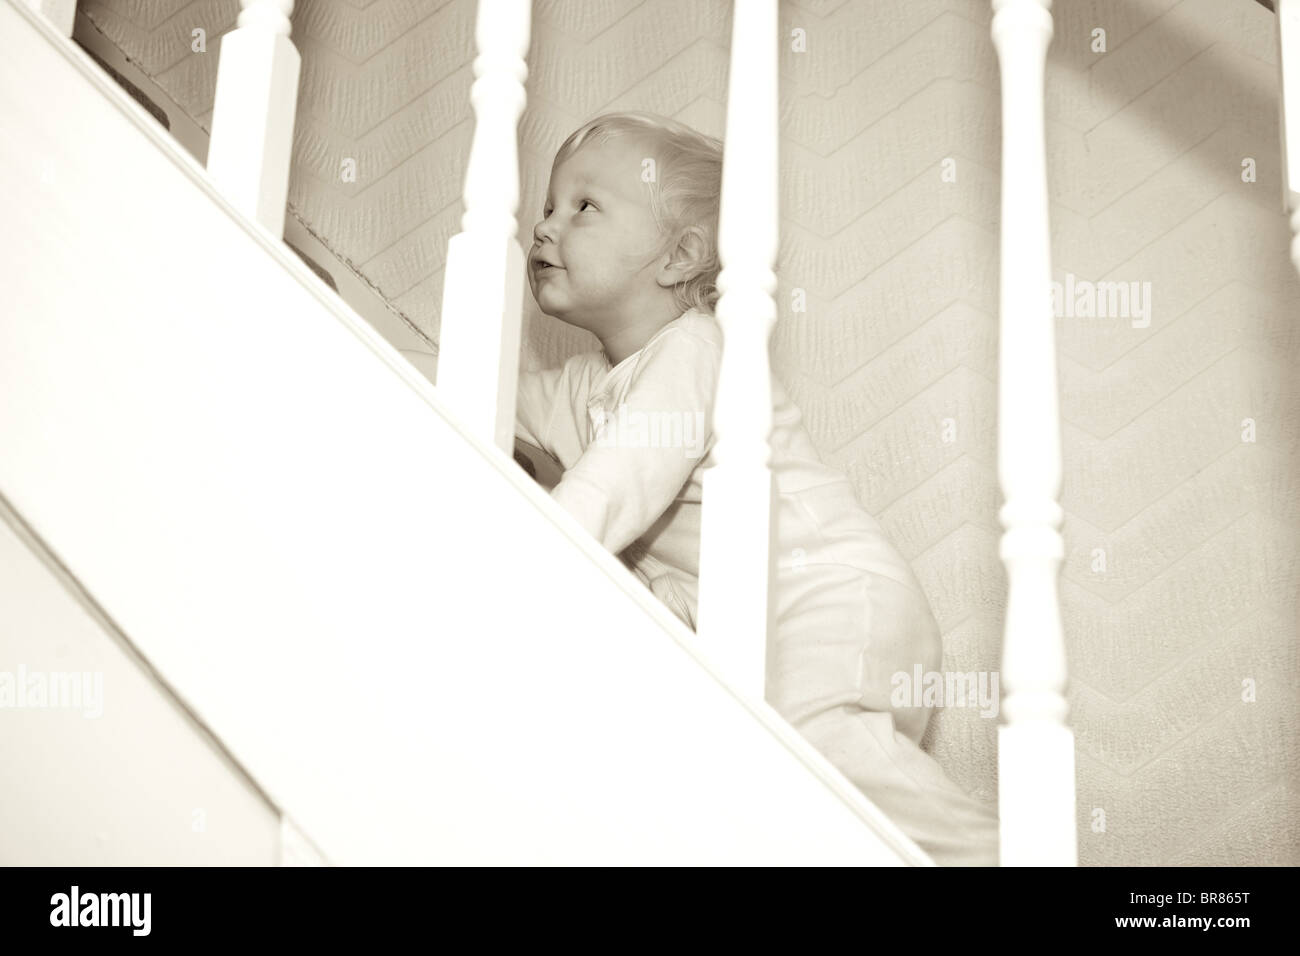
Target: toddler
point(626, 249)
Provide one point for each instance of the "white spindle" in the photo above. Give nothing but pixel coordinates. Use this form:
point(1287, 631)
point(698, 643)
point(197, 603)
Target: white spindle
point(61, 13)
point(1288, 34)
point(736, 584)
point(252, 116)
point(482, 298)
point(1035, 744)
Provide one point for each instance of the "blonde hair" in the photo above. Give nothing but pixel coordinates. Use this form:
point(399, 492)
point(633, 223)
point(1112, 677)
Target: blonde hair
point(685, 190)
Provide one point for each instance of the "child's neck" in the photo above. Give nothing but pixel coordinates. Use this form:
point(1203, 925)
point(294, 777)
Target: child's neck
point(631, 338)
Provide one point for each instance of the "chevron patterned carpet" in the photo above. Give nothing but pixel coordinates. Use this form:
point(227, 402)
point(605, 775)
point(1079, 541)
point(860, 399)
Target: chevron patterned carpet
point(1179, 590)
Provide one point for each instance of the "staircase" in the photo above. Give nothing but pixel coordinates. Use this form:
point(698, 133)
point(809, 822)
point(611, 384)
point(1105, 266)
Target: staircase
point(306, 638)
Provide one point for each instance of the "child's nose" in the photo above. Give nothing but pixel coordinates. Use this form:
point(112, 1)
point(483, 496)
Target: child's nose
point(544, 230)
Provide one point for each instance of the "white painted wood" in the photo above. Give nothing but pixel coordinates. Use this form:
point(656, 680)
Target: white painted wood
point(482, 299)
point(1035, 745)
point(295, 847)
point(229, 468)
point(118, 774)
point(62, 14)
point(737, 592)
point(1288, 35)
point(253, 113)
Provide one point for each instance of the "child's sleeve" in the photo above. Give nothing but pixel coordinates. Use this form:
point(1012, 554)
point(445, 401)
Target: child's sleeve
point(625, 478)
point(535, 406)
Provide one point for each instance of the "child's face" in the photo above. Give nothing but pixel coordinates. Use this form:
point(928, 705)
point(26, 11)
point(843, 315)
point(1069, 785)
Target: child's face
point(599, 238)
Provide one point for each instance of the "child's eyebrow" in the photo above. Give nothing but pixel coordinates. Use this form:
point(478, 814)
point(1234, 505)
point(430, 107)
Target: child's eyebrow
point(583, 185)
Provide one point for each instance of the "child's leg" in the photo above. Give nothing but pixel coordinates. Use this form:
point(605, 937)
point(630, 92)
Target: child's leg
point(906, 783)
point(840, 639)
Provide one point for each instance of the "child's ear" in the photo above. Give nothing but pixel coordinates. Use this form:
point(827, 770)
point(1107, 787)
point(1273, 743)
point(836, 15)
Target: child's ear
point(687, 259)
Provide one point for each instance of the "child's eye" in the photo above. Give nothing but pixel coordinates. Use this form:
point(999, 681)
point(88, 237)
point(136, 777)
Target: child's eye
point(586, 202)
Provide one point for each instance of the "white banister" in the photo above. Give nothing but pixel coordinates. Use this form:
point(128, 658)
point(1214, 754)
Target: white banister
point(61, 13)
point(482, 298)
point(736, 585)
point(253, 113)
point(1288, 36)
point(1036, 798)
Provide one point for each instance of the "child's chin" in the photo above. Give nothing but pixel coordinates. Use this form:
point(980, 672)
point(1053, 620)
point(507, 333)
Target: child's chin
point(551, 306)
point(547, 308)
point(567, 317)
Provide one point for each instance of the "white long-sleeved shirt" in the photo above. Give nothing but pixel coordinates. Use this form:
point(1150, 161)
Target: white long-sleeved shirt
point(634, 440)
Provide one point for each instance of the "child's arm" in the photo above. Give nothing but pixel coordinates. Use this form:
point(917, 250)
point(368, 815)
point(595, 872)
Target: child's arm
point(623, 482)
point(535, 406)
